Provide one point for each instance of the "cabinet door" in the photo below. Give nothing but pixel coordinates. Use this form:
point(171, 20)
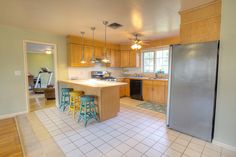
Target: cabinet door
point(75, 55)
point(134, 59)
point(115, 58)
point(147, 90)
point(124, 58)
point(88, 56)
point(98, 53)
point(122, 88)
point(127, 87)
point(158, 95)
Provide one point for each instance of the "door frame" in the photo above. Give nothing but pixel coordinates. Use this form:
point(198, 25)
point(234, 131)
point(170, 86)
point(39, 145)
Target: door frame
point(26, 70)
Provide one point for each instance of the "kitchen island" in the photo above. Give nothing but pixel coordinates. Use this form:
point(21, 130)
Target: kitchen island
point(107, 94)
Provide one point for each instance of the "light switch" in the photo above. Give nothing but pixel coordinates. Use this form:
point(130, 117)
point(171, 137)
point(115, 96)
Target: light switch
point(17, 73)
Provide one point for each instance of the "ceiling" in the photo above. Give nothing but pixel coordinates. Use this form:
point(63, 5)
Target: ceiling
point(154, 19)
point(37, 48)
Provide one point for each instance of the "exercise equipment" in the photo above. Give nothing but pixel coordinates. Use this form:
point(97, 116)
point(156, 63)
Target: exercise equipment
point(44, 70)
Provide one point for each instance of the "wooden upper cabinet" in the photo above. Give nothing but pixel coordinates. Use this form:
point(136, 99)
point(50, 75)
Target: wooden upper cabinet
point(115, 58)
point(98, 52)
point(88, 53)
point(201, 24)
point(75, 55)
point(134, 59)
point(124, 58)
point(147, 90)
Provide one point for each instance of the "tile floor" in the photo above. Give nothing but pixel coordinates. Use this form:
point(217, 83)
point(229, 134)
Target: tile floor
point(134, 132)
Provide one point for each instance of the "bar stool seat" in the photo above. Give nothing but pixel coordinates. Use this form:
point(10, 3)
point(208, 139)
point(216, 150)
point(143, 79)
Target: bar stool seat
point(87, 108)
point(65, 98)
point(75, 101)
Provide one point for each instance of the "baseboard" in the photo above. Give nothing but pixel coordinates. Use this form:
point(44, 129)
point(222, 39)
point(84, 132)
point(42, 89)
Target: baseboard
point(11, 115)
point(226, 146)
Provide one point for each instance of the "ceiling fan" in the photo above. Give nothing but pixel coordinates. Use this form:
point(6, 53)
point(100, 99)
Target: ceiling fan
point(137, 42)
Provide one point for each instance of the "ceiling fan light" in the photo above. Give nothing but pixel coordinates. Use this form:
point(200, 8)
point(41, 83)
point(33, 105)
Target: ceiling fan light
point(136, 46)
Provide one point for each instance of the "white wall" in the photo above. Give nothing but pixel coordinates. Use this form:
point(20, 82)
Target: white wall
point(12, 93)
point(225, 122)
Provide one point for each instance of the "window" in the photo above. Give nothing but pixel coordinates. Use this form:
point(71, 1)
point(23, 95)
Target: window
point(155, 60)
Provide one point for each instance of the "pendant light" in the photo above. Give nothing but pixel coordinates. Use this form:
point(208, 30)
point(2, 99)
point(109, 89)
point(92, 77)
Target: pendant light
point(105, 58)
point(93, 60)
point(82, 61)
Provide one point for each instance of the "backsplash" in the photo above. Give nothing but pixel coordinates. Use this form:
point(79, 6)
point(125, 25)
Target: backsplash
point(85, 73)
point(134, 71)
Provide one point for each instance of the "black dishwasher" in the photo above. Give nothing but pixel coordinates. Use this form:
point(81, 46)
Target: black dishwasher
point(136, 89)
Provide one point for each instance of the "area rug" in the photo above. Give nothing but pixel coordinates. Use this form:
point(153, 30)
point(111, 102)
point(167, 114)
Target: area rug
point(153, 107)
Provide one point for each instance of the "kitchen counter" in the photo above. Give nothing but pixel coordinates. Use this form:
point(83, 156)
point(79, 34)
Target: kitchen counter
point(94, 83)
point(107, 94)
point(143, 78)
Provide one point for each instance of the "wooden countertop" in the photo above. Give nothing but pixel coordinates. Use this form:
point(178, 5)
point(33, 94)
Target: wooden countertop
point(93, 83)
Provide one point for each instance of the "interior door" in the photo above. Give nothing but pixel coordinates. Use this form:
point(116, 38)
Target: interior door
point(193, 86)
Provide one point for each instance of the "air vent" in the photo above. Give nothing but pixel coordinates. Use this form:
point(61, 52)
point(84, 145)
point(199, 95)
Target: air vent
point(114, 25)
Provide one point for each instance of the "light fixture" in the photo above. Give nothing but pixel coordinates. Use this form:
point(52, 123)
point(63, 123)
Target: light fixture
point(48, 52)
point(82, 60)
point(93, 60)
point(136, 46)
point(105, 58)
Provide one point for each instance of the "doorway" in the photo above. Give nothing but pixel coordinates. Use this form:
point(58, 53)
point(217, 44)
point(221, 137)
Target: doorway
point(40, 75)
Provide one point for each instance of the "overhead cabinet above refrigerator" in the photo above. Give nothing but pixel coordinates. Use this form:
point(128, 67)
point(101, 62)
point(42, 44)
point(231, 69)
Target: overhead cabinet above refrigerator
point(192, 95)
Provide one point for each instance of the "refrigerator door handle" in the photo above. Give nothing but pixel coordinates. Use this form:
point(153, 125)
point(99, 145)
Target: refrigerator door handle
point(169, 85)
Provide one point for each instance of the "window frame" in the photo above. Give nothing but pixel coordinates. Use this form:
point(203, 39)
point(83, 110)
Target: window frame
point(154, 58)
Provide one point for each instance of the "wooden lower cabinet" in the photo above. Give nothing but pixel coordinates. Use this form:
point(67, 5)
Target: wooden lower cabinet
point(125, 90)
point(147, 90)
point(158, 95)
point(155, 91)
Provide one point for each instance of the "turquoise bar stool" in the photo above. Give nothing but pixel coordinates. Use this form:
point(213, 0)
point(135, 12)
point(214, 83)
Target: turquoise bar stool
point(87, 108)
point(65, 98)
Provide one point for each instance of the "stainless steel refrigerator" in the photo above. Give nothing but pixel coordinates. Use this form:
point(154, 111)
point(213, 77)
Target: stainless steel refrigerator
point(192, 88)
